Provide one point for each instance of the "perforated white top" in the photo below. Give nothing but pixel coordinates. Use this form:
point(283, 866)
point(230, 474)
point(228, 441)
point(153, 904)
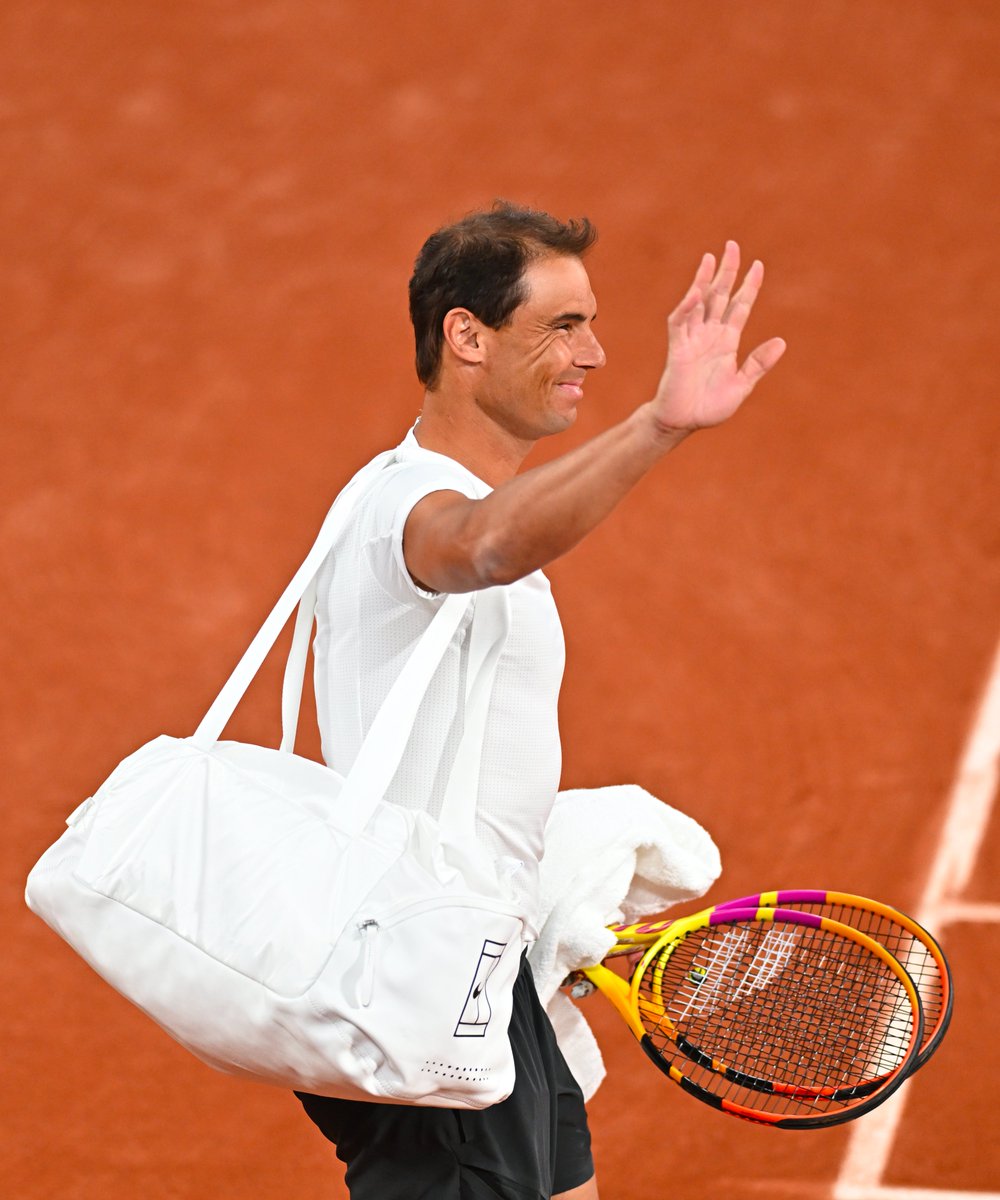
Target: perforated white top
point(370, 614)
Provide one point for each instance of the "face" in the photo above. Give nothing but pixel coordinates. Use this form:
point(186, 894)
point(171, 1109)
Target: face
point(533, 369)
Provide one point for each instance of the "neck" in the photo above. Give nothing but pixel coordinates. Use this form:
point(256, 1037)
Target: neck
point(461, 430)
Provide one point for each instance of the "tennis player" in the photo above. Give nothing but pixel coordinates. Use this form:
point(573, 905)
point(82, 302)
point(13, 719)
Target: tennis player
point(503, 315)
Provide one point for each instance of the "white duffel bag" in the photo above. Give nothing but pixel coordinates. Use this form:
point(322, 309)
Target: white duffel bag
point(289, 925)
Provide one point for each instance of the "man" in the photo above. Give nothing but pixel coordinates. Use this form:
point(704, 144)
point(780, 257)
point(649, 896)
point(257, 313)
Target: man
point(503, 315)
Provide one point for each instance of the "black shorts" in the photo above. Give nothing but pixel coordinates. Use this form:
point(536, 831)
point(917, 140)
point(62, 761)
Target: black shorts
point(531, 1146)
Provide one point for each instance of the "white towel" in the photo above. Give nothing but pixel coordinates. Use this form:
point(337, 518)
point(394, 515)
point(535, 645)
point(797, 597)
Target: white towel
point(611, 854)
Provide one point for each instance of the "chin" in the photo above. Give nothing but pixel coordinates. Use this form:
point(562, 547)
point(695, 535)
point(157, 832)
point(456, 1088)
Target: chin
point(564, 419)
point(555, 423)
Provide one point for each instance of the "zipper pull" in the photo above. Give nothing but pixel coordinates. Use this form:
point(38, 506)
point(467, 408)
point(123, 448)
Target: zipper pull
point(369, 931)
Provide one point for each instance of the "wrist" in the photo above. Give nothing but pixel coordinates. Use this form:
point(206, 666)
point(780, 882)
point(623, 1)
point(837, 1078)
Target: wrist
point(664, 435)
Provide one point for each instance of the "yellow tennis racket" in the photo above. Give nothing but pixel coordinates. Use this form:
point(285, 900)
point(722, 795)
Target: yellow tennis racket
point(916, 950)
point(777, 1016)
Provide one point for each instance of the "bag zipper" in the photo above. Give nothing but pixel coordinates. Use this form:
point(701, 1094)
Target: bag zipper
point(406, 908)
point(369, 929)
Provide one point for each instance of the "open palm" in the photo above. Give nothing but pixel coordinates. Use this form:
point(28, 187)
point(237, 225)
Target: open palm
point(703, 384)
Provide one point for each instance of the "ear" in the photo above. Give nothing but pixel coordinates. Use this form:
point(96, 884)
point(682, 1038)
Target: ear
point(462, 335)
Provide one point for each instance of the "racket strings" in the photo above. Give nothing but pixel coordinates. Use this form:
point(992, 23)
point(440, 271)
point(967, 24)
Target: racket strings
point(824, 1022)
point(915, 955)
point(850, 1022)
point(791, 1008)
point(913, 948)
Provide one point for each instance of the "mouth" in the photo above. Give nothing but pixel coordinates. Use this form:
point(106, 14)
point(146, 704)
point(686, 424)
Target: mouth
point(571, 388)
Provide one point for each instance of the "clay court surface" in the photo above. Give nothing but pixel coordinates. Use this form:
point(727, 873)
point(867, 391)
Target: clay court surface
point(207, 222)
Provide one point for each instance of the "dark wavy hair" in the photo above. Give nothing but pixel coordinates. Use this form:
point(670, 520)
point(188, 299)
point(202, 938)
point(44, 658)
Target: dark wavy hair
point(479, 263)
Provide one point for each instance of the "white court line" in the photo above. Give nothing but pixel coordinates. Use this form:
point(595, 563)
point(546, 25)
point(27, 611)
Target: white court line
point(904, 1193)
point(966, 821)
point(968, 806)
point(952, 913)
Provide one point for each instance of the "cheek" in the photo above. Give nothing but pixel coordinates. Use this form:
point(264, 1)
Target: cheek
point(553, 357)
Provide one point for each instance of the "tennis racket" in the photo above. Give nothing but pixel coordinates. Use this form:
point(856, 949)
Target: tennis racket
point(777, 1016)
point(915, 949)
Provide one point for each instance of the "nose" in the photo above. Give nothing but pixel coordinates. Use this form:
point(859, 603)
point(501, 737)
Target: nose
point(591, 353)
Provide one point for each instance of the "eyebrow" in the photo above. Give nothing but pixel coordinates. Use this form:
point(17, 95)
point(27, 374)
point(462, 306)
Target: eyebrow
point(572, 316)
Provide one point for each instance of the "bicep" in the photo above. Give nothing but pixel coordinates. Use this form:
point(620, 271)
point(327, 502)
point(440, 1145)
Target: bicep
point(441, 548)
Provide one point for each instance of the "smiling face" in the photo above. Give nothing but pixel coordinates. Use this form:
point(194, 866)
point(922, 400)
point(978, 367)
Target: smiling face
point(532, 369)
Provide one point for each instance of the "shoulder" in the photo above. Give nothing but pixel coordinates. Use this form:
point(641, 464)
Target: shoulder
point(409, 475)
point(391, 486)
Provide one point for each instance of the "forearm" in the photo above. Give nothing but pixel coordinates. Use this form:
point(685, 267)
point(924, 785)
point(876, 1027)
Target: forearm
point(536, 517)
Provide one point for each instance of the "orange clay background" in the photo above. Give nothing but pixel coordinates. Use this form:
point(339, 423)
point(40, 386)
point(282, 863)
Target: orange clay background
point(208, 216)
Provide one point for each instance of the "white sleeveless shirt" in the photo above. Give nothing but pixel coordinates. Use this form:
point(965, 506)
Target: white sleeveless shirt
point(369, 616)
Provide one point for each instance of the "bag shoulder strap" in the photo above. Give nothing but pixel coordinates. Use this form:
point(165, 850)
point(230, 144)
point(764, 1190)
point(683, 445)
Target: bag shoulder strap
point(490, 626)
point(224, 705)
point(382, 750)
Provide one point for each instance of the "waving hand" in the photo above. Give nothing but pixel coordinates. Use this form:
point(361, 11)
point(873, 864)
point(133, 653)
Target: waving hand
point(703, 384)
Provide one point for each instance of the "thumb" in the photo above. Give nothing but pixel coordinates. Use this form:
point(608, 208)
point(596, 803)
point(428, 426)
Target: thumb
point(758, 362)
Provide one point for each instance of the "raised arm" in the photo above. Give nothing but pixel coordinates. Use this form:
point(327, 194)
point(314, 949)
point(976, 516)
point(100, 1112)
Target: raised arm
point(453, 544)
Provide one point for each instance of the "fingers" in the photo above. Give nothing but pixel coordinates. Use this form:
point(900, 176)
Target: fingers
point(703, 275)
point(692, 306)
point(712, 287)
point(709, 297)
point(738, 310)
point(761, 360)
point(718, 293)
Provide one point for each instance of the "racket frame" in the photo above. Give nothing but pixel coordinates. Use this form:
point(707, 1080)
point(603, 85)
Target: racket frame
point(624, 996)
point(632, 938)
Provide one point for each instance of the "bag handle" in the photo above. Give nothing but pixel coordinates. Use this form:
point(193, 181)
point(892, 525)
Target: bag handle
point(293, 680)
point(382, 750)
point(490, 626)
point(224, 705)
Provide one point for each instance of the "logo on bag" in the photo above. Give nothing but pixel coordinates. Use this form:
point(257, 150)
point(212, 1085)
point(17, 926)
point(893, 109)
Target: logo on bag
point(477, 1011)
